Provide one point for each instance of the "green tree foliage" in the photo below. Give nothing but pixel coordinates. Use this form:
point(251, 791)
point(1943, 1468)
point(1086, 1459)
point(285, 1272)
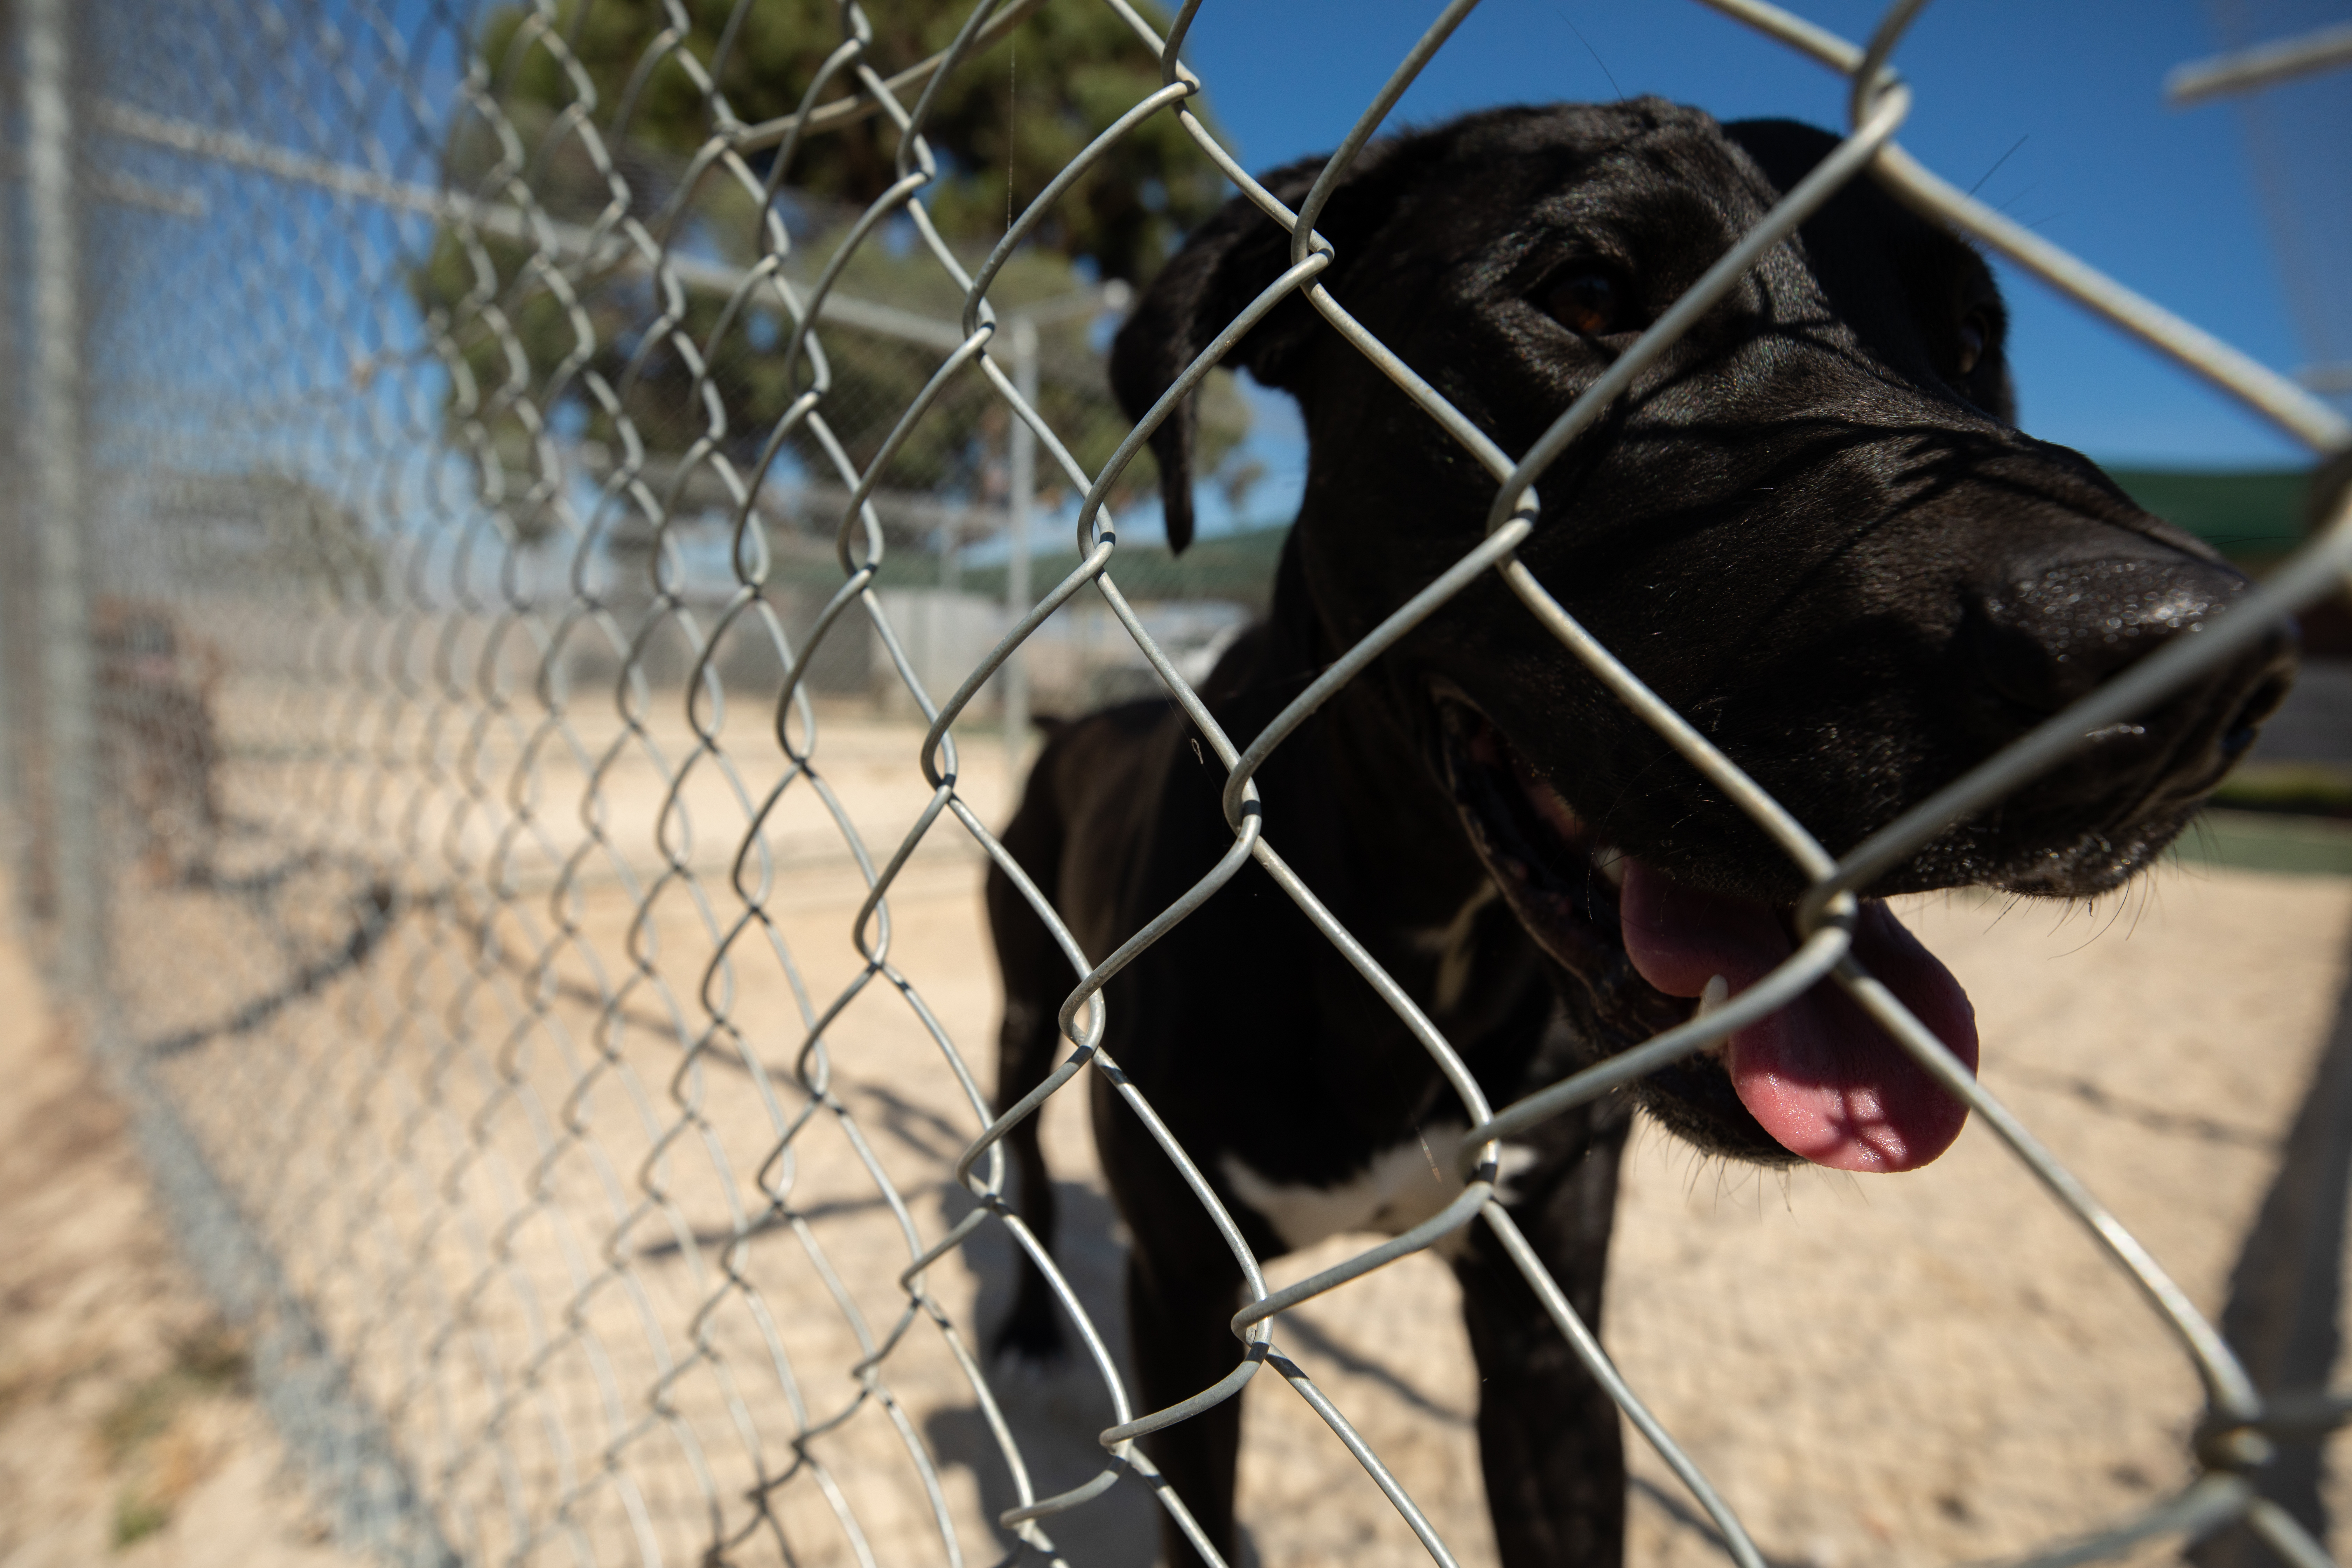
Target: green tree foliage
point(1003, 125)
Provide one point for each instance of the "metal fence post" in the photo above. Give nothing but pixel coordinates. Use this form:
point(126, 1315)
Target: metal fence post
point(16, 639)
point(1021, 495)
point(53, 425)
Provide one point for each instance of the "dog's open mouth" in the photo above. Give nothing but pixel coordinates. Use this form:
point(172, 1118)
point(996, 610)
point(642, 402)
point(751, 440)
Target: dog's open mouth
point(1819, 1078)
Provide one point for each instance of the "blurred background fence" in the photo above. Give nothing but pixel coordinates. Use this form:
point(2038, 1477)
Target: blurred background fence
point(394, 387)
point(422, 483)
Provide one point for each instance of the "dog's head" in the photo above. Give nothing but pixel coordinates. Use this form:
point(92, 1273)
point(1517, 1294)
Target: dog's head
point(1812, 527)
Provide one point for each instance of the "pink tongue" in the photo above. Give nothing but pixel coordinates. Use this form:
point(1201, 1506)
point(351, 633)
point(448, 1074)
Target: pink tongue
point(1818, 1075)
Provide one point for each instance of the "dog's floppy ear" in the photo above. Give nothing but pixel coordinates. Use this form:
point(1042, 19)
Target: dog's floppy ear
point(1225, 263)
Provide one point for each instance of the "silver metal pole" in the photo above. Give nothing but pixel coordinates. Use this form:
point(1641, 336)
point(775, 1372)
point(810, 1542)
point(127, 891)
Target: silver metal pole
point(1021, 492)
point(2264, 65)
point(571, 241)
point(19, 709)
point(53, 423)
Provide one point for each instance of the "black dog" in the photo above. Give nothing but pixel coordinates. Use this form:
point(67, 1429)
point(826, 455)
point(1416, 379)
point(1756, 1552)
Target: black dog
point(1812, 528)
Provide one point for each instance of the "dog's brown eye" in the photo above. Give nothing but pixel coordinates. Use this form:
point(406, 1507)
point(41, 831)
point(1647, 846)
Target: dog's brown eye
point(1973, 334)
point(1589, 301)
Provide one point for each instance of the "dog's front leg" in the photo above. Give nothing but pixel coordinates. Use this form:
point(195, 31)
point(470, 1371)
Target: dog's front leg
point(1549, 1438)
point(1179, 1323)
point(1182, 1290)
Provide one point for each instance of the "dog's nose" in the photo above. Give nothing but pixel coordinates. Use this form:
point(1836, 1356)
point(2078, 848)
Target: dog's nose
point(2052, 633)
point(2055, 630)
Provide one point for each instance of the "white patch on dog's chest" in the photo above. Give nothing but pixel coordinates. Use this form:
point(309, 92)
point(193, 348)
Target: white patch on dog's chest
point(1397, 1189)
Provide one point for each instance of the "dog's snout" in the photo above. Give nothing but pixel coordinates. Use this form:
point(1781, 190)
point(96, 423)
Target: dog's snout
point(2053, 632)
point(2050, 634)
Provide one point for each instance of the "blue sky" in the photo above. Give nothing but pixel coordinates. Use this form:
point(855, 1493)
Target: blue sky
point(2161, 199)
point(2056, 108)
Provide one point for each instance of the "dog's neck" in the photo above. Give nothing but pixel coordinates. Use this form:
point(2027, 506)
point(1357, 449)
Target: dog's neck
point(1383, 831)
point(1358, 813)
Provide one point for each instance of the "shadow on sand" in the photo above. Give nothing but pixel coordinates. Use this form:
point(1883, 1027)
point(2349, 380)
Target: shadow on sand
point(2288, 1290)
point(1055, 1411)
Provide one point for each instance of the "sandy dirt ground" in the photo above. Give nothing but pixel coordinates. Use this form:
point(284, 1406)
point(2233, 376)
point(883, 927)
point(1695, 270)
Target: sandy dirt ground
point(127, 1432)
point(604, 1156)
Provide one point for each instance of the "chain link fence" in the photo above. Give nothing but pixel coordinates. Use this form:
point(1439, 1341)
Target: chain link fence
point(520, 604)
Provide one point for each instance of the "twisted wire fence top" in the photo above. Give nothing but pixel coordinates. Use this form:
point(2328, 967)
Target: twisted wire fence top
point(547, 913)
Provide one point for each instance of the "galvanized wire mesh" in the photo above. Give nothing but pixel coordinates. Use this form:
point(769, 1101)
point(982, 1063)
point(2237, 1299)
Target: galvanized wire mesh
point(458, 801)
